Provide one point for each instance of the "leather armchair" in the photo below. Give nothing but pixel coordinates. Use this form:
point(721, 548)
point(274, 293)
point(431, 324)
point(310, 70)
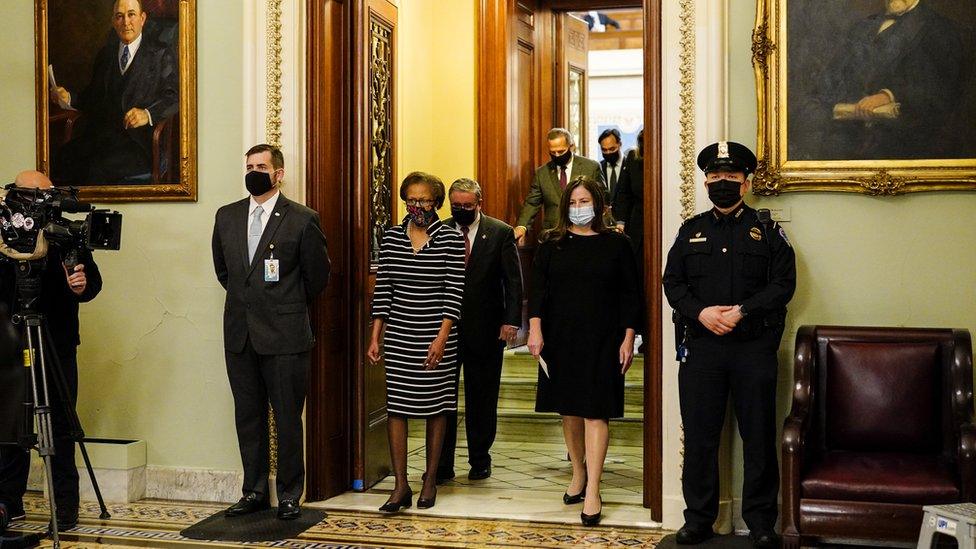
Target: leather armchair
point(881, 425)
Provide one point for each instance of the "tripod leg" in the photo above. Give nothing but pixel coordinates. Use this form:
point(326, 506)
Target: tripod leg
point(104, 515)
point(77, 432)
point(42, 411)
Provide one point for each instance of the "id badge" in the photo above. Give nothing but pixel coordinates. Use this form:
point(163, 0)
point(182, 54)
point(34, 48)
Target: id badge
point(271, 270)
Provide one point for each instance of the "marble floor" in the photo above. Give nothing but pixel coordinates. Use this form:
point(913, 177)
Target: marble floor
point(527, 483)
point(156, 524)
point(536, 467)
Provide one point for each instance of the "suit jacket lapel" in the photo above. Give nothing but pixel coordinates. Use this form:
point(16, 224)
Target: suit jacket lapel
point(279, 213)
point(482, 237)
point(136, 73)
point(577, 166)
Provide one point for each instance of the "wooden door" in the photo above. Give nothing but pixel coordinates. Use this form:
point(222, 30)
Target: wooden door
point(375, 167)
point(328, 188)
point(516, 74)
point(512, 146)
point(572, 53)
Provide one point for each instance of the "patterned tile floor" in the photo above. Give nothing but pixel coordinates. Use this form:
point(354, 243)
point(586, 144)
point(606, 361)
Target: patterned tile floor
point(157, 524)
point(536, 467)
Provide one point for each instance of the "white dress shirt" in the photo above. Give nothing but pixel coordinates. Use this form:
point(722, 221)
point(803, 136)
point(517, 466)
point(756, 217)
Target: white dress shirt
point(473, 230)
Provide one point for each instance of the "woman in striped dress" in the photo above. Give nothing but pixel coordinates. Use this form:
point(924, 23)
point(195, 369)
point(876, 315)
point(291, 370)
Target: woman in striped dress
point(416, 307)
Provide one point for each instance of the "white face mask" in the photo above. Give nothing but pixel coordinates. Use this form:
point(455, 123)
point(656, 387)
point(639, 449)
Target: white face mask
point(581, 215)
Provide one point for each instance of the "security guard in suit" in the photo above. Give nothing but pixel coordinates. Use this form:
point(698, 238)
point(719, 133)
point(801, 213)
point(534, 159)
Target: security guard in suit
point(729, 276)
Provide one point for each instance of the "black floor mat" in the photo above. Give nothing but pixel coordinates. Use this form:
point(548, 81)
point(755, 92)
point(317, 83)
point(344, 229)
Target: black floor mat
point(260, 526)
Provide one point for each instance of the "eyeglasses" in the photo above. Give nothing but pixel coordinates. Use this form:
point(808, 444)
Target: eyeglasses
point(467, 207)
point(420, 203)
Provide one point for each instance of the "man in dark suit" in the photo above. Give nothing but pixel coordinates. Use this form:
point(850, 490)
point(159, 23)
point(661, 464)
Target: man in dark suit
point(270, 255)
point(134, 86)
point(628, 200)
point(890, 90)
point(612, 165)
point(61, 293)
point(551, 178)
point(491, 314)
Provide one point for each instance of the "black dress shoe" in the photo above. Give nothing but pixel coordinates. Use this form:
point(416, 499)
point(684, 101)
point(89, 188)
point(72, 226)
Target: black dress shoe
point(394, 506)
point(765, 539)
point(67, 519)
point(426, 503)
point(594, 519)
point(251, 503)
point(573, 500)
point(16, 512)
point(289, 509)
point(479, 473)
point(689, 535)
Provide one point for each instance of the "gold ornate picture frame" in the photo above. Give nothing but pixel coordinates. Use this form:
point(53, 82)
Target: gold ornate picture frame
point(817, 131)
point(118, 135)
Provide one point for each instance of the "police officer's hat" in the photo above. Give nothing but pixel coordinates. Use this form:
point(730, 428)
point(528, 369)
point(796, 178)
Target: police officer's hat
point(727, 154)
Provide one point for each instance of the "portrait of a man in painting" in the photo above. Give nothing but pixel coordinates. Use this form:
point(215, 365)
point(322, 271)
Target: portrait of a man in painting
point(880, 80)
point(118, 103)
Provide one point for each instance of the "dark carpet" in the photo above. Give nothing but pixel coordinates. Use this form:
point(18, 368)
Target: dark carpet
point(260, 526)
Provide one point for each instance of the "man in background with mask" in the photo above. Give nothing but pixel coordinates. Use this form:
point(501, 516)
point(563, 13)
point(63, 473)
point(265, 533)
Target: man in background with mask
point(270, 255)
point(612, 164)
point(729, 276)
point(491, 313)
point(551, 179)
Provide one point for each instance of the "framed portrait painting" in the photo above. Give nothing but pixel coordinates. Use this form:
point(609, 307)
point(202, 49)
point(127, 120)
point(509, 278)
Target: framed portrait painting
point(869, 96)
point(116, 97)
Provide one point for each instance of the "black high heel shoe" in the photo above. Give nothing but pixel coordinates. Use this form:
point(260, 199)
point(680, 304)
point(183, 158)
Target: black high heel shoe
point(573, 500)
point(594, 519)
point(404, 503)
point(578, 498)
point(427, 503)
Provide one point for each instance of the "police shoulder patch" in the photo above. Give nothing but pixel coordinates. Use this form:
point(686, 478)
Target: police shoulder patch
point(782, 234)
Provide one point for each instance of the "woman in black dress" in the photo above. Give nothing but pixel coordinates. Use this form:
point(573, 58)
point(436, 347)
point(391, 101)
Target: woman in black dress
point(584, 308)
point(416, 306)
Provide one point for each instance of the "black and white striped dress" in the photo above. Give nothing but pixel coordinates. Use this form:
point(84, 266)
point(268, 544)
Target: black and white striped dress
point(414, 293)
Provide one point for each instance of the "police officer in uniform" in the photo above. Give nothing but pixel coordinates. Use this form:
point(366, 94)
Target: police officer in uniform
point(729, 276)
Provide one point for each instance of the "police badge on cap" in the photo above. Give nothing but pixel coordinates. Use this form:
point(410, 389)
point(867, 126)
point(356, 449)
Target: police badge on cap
point(727, 155)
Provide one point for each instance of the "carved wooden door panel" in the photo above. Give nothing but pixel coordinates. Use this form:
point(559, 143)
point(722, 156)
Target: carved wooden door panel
point(572, 36)
point(377, 64)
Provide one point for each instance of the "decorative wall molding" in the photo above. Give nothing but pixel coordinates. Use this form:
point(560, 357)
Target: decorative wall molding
point(273, 39)
point(687, 107)
point(273, 59)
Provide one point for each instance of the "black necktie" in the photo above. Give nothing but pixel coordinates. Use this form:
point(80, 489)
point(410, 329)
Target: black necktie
point(613, 176)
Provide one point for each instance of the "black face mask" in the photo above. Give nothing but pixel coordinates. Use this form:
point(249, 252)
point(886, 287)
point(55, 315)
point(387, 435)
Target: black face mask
point(724, 193)
point(562, 159)
point(612, 158)
point(462, 216)
point(258, 183)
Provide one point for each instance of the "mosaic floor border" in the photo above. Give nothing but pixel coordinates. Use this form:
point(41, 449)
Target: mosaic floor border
point(152, 523)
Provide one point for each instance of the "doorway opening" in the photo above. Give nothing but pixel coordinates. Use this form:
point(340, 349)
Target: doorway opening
point(527, 82)
point(596, 83)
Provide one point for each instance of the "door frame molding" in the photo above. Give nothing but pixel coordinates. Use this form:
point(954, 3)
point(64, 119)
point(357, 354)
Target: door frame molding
point(329, 181)
point(495, 76)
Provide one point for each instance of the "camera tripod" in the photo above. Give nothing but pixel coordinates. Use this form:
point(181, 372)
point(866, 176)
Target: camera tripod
point(39, 373)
